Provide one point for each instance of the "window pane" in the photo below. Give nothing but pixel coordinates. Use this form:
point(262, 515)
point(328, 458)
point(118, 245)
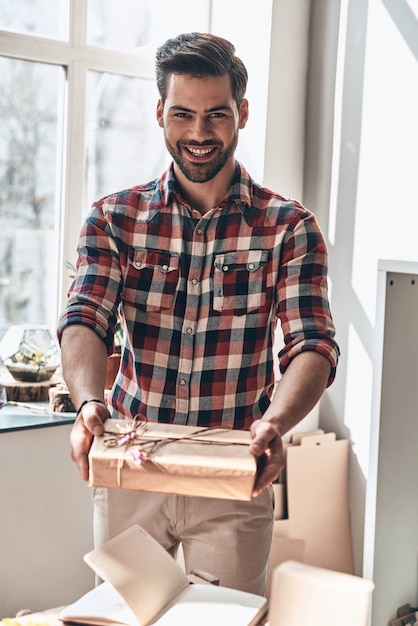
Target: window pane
point(128, 24)
point(29, 106)
point(121, 25)
point(125, 145)
point(36, 17)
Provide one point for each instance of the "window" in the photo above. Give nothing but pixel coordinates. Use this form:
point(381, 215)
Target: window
point(116, 109)
point(77, 105)
point(30, 110)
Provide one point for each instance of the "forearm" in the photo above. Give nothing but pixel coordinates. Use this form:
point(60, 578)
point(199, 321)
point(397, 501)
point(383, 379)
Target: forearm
point(298, 391)
point(84, 363)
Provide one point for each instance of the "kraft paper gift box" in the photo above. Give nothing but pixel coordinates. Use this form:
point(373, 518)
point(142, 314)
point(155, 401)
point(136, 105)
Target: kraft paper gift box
point(168, 458)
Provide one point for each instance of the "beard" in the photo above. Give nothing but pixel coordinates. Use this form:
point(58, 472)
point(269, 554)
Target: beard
point(202, 172)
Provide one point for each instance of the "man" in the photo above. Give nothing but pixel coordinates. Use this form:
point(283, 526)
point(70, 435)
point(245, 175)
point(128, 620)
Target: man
point(204, 262)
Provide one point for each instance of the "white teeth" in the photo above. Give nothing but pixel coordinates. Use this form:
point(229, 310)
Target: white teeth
point(199, 152)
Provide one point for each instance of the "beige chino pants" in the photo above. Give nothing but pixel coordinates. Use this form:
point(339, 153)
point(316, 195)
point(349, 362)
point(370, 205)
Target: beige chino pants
point(229, 539)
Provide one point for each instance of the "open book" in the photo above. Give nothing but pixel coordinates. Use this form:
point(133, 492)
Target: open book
point(145, 585)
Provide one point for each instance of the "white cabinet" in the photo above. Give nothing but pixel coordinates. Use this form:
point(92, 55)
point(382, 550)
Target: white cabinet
point(46, 521)
point(391, 528)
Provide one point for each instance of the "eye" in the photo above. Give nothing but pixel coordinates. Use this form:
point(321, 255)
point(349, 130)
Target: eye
point(182, 115)
point(216, 115)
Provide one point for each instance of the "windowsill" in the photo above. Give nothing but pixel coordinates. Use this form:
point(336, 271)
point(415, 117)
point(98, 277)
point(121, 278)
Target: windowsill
point(13, 418)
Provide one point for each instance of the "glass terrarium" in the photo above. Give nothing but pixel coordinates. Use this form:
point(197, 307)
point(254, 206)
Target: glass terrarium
point(29, 352)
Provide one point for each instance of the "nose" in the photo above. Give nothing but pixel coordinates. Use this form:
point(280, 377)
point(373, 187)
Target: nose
point(200, 129)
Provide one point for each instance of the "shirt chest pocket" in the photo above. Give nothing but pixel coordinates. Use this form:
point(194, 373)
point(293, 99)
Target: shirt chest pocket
point(151, 279)
point(239, 281)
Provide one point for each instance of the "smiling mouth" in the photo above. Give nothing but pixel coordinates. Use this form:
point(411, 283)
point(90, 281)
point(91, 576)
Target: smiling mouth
point(200, 152)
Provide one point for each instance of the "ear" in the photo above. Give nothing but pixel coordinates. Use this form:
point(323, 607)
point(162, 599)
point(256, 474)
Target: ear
point(243, 113)
point(160, 111)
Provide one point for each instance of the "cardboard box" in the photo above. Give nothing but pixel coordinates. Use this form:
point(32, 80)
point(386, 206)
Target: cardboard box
point(405, 615)
point(185, 460)
point(309, 595)
point(316, 481)
point(283, 548)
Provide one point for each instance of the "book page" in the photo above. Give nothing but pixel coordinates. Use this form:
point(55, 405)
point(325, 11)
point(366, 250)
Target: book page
point(101, 606)
point(205, 605)
point(210, 605)
point(141, 570)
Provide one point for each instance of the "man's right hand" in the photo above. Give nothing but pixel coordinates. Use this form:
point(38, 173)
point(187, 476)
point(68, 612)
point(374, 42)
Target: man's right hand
point(88, 423)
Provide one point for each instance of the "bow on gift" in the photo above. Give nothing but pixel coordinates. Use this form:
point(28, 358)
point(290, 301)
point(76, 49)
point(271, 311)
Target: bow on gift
point(130, 437)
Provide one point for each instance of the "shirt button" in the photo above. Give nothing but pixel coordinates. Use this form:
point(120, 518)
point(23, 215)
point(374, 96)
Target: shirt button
point(194, 281)
point(225, 268)
point(182, 382)
point(251, 266)
point(199, 231)
point(165, 268)
point(189, 331)
point(137, 264)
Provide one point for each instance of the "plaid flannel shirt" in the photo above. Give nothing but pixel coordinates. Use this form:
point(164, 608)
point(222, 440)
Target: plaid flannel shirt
point(200, 297)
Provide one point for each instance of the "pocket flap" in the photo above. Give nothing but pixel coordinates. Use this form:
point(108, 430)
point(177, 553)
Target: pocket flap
point(165, 261)
point(251, 260)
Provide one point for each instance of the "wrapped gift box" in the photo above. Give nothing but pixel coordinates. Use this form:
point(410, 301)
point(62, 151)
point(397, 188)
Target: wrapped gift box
point(168, 458)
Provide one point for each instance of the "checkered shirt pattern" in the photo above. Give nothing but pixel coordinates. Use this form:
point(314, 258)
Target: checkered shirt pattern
point(201, 297)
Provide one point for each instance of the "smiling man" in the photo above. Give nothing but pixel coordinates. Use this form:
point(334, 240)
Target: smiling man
point(205, 264)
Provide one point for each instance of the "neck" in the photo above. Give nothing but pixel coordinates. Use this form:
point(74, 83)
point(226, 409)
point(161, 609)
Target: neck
point(205, 196)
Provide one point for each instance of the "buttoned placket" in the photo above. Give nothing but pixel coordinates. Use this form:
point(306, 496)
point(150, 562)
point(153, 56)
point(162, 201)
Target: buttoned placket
point(197, 258)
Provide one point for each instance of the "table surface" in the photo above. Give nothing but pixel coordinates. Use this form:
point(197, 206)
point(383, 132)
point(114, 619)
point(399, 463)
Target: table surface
point(49, 617)
point(29, 415)
point(32, 415)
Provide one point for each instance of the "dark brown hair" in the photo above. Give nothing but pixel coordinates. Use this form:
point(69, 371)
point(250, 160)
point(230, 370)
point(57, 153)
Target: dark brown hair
point(200, 54)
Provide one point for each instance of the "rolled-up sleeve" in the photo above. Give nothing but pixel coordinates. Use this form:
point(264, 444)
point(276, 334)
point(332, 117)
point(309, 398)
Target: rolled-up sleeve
point(94, 295)
point(302, 296)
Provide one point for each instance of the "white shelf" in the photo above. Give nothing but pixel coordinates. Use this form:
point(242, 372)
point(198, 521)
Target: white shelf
point(391, 527)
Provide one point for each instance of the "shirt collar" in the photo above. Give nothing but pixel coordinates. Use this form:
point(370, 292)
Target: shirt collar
point(240, 192)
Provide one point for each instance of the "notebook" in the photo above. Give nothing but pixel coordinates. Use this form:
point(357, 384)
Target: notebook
point(145, 585)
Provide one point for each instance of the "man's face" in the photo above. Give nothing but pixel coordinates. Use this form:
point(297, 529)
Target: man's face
point(201, 121)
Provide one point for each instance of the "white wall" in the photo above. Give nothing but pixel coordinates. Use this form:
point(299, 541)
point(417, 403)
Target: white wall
point(285, 128)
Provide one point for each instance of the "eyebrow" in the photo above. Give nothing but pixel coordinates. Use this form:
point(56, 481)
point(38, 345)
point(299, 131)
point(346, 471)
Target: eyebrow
point(222, 107)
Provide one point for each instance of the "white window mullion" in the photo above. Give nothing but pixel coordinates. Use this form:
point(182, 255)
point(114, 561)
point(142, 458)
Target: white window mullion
point(38, 49)
point(139, 63)
point(74, 143)
point(78, 23)
point(73, 193)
